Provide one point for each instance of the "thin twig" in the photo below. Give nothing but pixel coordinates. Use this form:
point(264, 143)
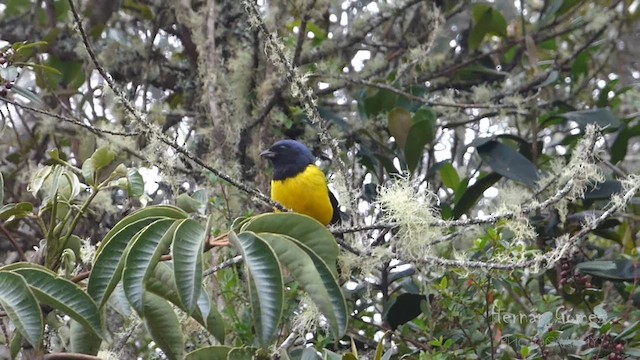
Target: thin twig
point(70, 120)
point(13, 241)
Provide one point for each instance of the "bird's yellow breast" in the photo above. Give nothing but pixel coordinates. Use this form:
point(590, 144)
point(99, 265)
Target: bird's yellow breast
point(305, 193)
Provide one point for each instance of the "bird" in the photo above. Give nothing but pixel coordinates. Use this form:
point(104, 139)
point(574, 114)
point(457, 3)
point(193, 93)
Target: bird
point(298, 184)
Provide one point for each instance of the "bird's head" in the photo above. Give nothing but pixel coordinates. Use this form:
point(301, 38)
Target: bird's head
point(289, 158)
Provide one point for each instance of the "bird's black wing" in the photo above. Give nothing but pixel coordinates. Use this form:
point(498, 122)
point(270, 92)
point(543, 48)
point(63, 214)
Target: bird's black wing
point(335, 219)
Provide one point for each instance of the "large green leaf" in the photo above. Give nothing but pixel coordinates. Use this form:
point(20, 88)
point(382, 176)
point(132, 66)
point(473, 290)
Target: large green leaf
point(265, 275)
point(508, 162)
point(188, 245)
point(209, 353)
point(314, 277)
point(82, 340)
point(163, 284)
point(61, 294)
point(21, 307)
point(300, 227)
point(449, 176)
point(421, 133)
point(473, 193)
point(486, 20)
point(1, 189)
point(404, 308)
point(612, 270)
point(603, 117)
point(163, 325)
point(109, 259)
point(143, 255)
point(399, 123)
point(621, 142)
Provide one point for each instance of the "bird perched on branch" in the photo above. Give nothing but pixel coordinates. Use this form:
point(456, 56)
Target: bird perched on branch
point(300, 185)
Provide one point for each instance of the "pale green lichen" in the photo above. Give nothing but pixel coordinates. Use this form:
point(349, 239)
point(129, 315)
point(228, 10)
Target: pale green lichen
point(415, 213)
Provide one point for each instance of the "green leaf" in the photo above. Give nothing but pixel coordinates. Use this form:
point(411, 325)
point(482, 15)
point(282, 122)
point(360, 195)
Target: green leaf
point(187, 203)
point(403, 309)
point(422, 132)
point(621, 142)
point(61, 294)
point(135, 183)
point(300, 227)
point(145, 251)
point(20, 305)
point(45, 68)
point(381, 101)
point(1, 189)
point(603, 190)
point(264, 272)
point(473, 193)
point(163, 325)
point(314, 277)
point(19, 210)
point(508, 162)
point(604, 118)
point(612, 270)
point(110, 256)
point(188, 244)
point(100, 159)
point(243, 353)
point(163, 284)
point(82, 340)
point(399, 123)
point(27, 94)
point(486, 20)
point(209, 353)
point(449, 176)
point(37, 180)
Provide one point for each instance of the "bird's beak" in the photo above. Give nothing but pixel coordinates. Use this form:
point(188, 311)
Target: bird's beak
point(268, 154)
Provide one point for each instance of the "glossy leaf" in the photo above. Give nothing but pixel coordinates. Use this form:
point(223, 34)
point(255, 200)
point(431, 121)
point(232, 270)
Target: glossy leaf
point(508, 162)
point(449, 176)
point(162, 283)
point(473, 193)
point(82, 340)
point(21, 306)
point(300, 227)
point(612, 270)
point(188, 244)
point(100, 159)
point(314, 277)
point(603, 190)
point(1, 189)
point(144, 253)
point(61, 294)
point(163, 325)
point(19, 210)
point(209, 353)
point(604, 118)
point(110, 256)
point(487, 20)
point(422, 132)
point(403, 309)
point(621, 142)
point(265, 275)
point(135, 183)
point(400, 121)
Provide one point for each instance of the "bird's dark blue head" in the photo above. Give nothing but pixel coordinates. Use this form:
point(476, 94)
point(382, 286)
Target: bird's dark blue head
point(289, 158)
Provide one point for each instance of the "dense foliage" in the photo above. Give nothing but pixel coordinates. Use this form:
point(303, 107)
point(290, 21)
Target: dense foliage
point(484, 155)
